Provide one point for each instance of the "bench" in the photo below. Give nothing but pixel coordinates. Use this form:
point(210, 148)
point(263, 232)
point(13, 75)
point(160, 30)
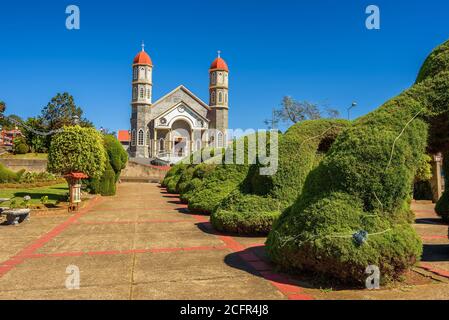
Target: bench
point(16, 216)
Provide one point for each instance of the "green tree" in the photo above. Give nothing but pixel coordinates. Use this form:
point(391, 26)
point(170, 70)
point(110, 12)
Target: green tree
point(12, 121)
point(34, 131)
point(292, 111)
point(62, 111)
point(77, 149)
point(2, 109)
point(20, 146)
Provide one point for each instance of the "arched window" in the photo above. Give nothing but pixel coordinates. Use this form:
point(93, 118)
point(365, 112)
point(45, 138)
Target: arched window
point(142, 73)
point(135, 73)
point(133, 138)
point(226, 98)
point(212, 97)
point(220, 140)
point(141, 140)
point(142, 93)
point(148, 137)
point(148, 93)
point(220, 77)
point(198, 144)
point(161, 144)
point(135, 93)
point(220, 97)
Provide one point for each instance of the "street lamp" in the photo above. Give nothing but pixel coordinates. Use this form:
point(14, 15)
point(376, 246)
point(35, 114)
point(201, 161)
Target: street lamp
point(353, 105)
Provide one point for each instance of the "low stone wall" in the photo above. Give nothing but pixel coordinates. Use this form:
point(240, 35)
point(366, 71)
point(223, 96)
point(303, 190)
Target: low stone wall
point(137, 172)
point(32, 165)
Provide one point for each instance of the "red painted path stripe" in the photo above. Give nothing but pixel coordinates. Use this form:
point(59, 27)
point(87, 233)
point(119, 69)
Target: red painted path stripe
point(6, 266)
point(436, 270)
point(117, 252)
point(280, 282)
point(130, 222)
point(434, 237)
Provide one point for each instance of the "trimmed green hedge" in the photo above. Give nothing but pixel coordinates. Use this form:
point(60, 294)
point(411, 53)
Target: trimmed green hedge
point(106, 185)
point(365, 184)
point(254, 205)
point(442, 206)
point(115, 163)
point(172, 177)
point(188, 188)
point(7, 175)
point(221, 179)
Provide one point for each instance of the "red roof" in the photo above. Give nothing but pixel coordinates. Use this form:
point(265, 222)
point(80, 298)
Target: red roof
point(123, 136)
point(219, 64)
point(143, 58)
point(77, 175)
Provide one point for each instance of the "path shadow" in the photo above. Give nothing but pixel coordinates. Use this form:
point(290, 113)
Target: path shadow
point(38, 196)
point(207, 227)
point(255, 261)
point(434, 221)
point(435, 253)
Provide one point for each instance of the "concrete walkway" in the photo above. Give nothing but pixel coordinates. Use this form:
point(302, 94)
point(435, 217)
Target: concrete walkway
point(145, 244)
point(141, 244)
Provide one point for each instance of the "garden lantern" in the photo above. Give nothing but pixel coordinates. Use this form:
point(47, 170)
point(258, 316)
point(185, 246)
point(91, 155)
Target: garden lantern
point(74, 180)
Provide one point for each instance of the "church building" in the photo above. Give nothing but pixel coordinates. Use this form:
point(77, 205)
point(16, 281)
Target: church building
point(179, 123)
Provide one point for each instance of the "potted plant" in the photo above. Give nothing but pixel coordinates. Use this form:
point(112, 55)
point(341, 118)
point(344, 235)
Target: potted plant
point(18, 213)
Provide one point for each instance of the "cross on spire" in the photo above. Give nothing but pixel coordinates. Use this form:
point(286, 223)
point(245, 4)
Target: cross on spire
point(219, 53)
point(143, 45)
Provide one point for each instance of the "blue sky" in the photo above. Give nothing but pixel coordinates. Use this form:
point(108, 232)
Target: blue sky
point(318, 51)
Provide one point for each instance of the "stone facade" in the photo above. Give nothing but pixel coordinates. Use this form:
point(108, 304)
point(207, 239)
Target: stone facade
point(179, 123)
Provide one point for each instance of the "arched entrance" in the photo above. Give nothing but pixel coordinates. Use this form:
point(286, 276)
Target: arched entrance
point(180, 138)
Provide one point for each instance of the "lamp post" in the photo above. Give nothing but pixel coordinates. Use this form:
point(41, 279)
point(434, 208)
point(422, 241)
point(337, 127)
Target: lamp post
point(353, 105)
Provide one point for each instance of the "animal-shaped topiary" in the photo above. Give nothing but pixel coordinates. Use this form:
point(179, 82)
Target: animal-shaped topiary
point(258, 201)
point(363, 187)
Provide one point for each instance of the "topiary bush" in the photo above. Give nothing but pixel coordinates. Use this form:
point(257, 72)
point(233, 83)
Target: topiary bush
point(77, 149)
point(116, 161)
point(363, 186)
point(118, 157)
point(106, 184)
point(253, 206)
point(6, 175)
point(175, 181)
point(200, 172)
point(20, 146)
point(221, 179)
point(442, 206)
point(172, 177)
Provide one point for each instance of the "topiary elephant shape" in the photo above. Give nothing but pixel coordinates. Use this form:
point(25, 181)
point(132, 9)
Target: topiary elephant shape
point(354, 211)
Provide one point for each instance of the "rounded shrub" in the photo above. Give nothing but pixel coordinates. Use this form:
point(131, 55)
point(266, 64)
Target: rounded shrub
point(106, 184)
point(116, 161)
point(77, 149)
point(354, 210)
point(172, 177)
point(226, 171)
point(253, 206)
point(20, 146)
point(6, 175)
point(442, 206)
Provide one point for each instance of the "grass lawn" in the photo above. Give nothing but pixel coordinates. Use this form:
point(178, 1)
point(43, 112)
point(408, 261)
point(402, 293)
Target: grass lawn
point(54, 193)
point(38, 156)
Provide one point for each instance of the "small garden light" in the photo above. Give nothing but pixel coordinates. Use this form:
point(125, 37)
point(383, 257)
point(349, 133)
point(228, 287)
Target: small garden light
point(360, 237)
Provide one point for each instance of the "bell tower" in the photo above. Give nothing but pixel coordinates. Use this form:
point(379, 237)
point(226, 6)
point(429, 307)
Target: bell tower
point(142, 87)
point(218, 94)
